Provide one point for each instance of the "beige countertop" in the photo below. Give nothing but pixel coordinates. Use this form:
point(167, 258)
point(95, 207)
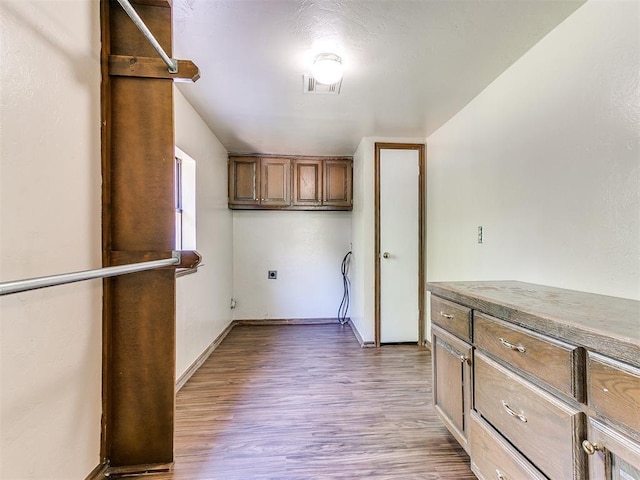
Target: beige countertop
point(599, 323)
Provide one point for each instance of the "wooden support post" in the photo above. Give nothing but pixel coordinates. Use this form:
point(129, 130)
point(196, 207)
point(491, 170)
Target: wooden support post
point(138, 224)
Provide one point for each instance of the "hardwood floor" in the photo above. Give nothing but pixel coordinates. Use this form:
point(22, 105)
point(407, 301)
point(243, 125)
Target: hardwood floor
point(306, 402)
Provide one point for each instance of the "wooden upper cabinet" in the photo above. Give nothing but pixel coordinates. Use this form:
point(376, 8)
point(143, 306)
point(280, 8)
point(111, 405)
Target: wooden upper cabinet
point(244, 180)
point(275, 183)
point(307, 182)
point(337, 183)
point(290, 183)
point(256, 182)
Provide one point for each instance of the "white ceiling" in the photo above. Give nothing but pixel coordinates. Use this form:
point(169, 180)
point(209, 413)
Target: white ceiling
point(410, 65)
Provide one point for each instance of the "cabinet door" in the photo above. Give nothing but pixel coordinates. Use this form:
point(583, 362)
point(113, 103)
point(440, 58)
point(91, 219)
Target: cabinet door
point(452, 382)
point(337, 183)
point(275, 182)
point(612, 456)
point(307, 182)
point(244, 181)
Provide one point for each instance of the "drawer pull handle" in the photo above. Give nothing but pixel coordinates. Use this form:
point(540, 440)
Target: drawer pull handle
point(446, 315)
point(513, 413)
point(511, 346)
point(590, 448)
point(500, 475)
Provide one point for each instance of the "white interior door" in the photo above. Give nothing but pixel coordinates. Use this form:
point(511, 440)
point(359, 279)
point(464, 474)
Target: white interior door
point(399, 243)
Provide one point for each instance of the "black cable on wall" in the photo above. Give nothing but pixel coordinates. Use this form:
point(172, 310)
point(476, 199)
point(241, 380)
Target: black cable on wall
point(344, 304)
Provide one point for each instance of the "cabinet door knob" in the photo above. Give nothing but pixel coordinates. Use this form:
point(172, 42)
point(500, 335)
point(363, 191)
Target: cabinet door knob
point(386, 255)
point(500, 475)
point(590, 448)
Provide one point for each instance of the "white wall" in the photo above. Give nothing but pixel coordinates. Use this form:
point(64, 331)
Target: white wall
point(547, 160)
point(203, 298)
point(363, 228)
point(50, 339)
point(306, 248)
point(362, 272)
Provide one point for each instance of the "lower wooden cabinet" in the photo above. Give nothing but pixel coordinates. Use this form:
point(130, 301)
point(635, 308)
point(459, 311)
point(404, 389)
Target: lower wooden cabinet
point(534, 385)
point(452, 382)
point(290, 183)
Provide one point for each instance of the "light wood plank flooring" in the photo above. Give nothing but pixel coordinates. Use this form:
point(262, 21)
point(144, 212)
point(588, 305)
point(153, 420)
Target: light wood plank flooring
point(306, 402)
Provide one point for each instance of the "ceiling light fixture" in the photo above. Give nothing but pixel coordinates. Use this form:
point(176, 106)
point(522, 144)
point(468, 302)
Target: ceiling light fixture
point(327, 68)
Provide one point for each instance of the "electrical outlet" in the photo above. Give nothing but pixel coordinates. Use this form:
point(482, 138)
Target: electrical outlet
point(233, 303)
point(272, 274)
point(480, 235)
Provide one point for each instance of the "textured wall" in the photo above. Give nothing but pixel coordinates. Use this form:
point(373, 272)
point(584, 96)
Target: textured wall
point(306, 248)
point(547, 160)
point(50, 339)
point(202, 299)
point(363, 231)
point(363, 228)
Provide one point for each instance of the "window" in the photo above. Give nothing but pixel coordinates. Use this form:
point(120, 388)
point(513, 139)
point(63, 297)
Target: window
point(185, 191)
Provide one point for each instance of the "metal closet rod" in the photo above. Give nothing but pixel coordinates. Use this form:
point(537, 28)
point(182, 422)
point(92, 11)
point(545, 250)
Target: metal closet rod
point(171, 62)
point(17, 286)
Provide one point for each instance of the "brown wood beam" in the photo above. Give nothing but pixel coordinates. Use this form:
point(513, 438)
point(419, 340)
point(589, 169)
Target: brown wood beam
point(188, 258)
point(144, 67)
point(138, 225)
point(153, 3)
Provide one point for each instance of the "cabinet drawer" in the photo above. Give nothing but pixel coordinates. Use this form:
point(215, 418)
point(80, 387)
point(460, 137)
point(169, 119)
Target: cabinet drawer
point(555, 363)
point(539, 425)
point(492, 458)
point(451, 317)
point(614, 389)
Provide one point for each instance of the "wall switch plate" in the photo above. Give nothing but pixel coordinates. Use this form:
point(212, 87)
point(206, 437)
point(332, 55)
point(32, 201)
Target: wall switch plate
point(480, 235)
point(272, 274)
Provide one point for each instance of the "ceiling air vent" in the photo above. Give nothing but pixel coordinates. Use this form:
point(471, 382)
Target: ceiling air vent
point(311, 86)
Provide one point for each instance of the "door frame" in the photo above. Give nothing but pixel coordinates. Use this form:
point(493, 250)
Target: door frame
point(421, 148)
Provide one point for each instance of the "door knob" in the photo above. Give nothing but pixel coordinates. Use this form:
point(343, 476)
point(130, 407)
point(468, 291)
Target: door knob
point(386, 255)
